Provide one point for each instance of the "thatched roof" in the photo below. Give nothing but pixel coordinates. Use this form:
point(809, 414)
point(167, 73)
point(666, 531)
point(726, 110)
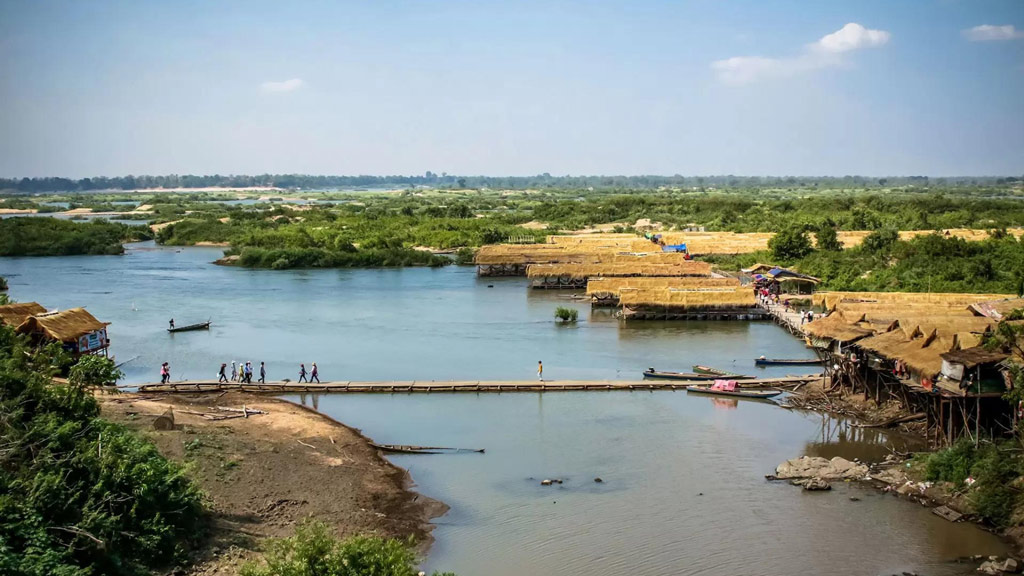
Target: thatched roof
point(832, 300)
point(15, 314)
point(836, 327)
point(725, 298)
point(611, 286)
point(636, 267)
point(64, 326)
point(971, 357)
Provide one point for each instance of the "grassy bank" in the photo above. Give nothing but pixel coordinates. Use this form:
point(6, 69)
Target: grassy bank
point(53, 237)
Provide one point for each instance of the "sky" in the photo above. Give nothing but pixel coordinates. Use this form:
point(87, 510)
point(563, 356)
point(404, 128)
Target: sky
point(700, 87)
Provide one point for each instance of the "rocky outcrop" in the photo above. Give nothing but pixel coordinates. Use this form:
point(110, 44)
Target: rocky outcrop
point(815, 467)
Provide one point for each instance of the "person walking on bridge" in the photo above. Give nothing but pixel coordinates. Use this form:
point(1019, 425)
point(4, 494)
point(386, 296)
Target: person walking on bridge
point(222, 376)
point(234, 372)
point(540, 371)
point(315, 374)
point(302, 373)
point(263, 373)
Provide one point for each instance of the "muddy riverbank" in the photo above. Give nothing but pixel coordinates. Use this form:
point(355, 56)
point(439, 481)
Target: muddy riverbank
point(266, 472)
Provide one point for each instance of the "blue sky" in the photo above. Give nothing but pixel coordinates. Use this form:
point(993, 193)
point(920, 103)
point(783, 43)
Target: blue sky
point(748, 87)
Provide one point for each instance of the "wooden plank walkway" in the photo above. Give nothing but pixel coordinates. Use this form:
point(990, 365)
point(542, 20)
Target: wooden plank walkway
point(457, 386)
point(789, 320)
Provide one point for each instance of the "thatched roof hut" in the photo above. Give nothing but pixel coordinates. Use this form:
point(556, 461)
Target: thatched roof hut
point(15, 314)
point(612, 286)
point(76, 328)
point(638, 267)
point(683, 299)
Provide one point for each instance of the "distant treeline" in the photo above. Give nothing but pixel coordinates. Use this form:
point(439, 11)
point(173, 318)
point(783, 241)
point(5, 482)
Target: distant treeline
point(445, 180)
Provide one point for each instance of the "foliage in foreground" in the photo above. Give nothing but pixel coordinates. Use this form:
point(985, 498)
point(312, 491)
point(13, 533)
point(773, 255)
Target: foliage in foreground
point(79, 495)
point(315, 551)
point(567, 314)
point(54, 237)
point(996, 469)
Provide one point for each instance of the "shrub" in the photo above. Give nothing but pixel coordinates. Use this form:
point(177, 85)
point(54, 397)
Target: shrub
point(827, 238)
point(568, 315)
point(80, 495)
point(94, 371)
point(315, 551)
point(952, 464)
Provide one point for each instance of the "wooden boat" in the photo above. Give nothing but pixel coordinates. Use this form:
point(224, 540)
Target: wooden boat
point(407, 449)
point(199, 326)
point(787, 362)
point(738, 393)
point(715, 371)
point(656, 374)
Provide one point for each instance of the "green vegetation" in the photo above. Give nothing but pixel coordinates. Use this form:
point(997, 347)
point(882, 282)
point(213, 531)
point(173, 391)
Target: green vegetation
point(3, 283)
point(315, 551)
point(567, 315)
point(791, 243)
point(80, 495)
point(995, 494)
point(53, 237)
point(929, 263)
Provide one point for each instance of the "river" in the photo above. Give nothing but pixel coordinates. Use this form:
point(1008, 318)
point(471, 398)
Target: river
point(683, 488)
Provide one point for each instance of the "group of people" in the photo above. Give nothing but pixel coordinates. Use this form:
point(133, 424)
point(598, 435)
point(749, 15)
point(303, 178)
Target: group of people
point(242, 373)
point(807, 316)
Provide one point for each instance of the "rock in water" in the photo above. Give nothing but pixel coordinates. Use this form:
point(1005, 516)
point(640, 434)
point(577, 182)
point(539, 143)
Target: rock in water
point(545, 482)
point(598, 480)
point(815, 467)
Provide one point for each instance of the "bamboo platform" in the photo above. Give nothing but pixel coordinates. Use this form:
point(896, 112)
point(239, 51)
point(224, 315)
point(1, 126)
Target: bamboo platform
point(426, 386)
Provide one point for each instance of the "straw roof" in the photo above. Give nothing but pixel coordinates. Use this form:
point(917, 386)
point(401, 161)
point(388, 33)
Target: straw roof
point(636, 268)
point(15, 314)
point(612, 286)
point(836, 327)
point(689, 299)
point(64, 326)
point(832, 299)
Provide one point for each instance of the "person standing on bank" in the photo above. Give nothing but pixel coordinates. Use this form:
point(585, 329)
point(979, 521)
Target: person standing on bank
point(263, 373)
point(540, 370)
point(315, 374)
point(302, 373)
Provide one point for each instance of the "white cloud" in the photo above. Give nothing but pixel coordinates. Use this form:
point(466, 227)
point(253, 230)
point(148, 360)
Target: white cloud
point(283, 86)
point(825, 53)
point(989, 33)
point(853, 36)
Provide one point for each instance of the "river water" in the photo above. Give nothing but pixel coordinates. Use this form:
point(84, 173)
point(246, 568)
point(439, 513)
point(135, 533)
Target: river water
point(683, 490)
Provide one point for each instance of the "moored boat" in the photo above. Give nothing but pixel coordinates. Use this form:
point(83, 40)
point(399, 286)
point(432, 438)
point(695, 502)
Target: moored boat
point(199, 326)
point(662, 375)
point(736, 392)
point(787, 361)
point(715, 371)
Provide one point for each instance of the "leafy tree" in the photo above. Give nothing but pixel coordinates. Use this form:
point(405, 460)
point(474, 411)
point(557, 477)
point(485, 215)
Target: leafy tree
point(92, 371)
point(827, 238)
point(791, 243)
point(880, 240)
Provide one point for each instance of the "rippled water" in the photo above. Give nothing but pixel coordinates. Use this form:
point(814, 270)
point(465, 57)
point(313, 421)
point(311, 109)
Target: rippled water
point(683, 491)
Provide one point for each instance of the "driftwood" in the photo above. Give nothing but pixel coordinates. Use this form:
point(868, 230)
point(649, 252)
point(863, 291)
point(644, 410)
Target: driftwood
point(304, 444)
point(244, 410)
point(406, 449)
point(164, 421)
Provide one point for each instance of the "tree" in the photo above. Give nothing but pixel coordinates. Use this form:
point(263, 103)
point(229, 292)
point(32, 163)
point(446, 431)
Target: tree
point(881, 240)
point(461, 182)
point(92, 371)
point(791, 243)
point(828, 240)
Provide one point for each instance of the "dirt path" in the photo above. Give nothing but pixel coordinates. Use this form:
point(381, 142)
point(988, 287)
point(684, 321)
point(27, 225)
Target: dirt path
point(265, 473)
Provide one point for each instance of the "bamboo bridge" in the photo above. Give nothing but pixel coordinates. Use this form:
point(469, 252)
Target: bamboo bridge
point(426, 386)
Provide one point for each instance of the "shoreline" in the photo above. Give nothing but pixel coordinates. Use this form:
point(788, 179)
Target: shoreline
point(890, 475)
point(266, 471)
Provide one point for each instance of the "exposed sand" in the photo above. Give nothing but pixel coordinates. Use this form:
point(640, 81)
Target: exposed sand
point(265, 473)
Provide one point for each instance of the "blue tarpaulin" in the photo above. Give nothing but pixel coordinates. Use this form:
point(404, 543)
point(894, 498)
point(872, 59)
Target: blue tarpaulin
point(674, 248)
